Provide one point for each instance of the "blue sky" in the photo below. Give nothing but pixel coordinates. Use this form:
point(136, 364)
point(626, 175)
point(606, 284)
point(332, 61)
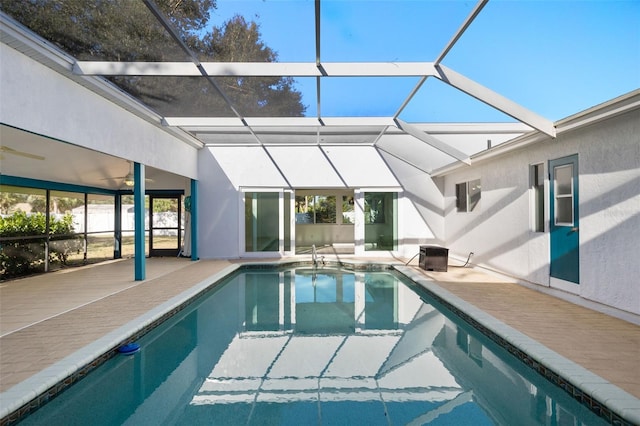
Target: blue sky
point(554, 57)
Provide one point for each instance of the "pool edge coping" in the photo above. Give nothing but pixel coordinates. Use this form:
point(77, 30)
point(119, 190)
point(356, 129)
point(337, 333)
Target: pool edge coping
point(600, 390)
point(34, 391)
point(26, 396)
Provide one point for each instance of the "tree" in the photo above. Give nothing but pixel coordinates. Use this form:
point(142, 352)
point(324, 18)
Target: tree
point(125, 30)
point(111, 30)
point(161, 205)
point(9, 199)
point(240, 41)
point(236, 41)
point(325, 208)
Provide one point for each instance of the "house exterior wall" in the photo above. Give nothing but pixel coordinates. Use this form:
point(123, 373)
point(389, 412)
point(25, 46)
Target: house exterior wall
point(42, 101)
point(499, 230)
point(421, 207)
point(224, 171)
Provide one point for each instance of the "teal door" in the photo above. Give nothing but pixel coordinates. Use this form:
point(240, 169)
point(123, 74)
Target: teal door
point(564, 226)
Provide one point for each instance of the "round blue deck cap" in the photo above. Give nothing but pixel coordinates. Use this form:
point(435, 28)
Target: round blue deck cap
point(129, 348)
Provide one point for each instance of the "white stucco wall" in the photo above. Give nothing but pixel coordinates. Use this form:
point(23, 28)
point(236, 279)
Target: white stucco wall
point(218, 208)
point(499, 230)
point(610, 211)
point(225, 170)
point(42, 101)
point(420, 209)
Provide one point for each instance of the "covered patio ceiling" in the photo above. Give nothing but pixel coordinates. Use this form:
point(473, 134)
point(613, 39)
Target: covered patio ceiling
point(395, 86)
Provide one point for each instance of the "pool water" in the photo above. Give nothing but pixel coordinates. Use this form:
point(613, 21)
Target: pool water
point(307, 346)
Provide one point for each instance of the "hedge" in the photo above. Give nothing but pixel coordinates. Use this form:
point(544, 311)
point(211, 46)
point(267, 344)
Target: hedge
point(24, 253)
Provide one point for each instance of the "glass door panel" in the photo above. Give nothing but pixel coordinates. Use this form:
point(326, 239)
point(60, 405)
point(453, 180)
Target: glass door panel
point(563, 178)
point(164, 225)
point(286, 221)
point(262, 221)
point(380, 221)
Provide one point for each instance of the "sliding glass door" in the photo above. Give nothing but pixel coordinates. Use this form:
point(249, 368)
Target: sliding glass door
point(380, 221)
point(267, 221)
point(276, 222)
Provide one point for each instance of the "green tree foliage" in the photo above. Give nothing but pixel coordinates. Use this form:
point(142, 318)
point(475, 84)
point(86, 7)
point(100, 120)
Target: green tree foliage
point(317, 208)
point(23, 251)
point(111, 30)
point(325, 209)
point(239, 41)
point(9, 199)
point(57, 205)
point(161, 205)
point(125, 30)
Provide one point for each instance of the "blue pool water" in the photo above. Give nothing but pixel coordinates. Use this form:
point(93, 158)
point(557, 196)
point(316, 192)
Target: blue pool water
point(307, 347)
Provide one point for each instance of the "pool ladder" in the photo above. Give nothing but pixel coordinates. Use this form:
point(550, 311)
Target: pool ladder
point(314, 256)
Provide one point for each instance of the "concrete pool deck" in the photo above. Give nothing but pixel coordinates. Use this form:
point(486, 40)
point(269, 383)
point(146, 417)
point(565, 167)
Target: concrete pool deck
point(53, 323)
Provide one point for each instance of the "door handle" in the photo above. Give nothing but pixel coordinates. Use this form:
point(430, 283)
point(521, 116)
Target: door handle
point(575, 229)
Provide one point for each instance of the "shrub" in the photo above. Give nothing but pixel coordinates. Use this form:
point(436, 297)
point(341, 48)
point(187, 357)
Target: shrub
point(25, 254)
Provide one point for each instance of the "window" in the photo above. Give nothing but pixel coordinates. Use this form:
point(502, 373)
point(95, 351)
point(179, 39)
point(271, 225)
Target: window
point(315, 209)
point(128, 218)
point(467, 195)
point(563, 178)
point(46, 229)
point(100, 226)
point(348, 214)
point(461, 197)
point(536, 186)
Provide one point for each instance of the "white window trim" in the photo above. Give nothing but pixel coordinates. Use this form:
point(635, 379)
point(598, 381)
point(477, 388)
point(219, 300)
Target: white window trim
point(468, 200)
point(545, 198)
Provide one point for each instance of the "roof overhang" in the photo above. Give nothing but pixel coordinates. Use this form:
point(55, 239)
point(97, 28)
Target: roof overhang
point(607, 110)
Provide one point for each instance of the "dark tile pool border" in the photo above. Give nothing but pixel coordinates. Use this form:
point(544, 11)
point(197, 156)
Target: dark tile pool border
point(608, 401)
point(603, 398)
point(28, 396)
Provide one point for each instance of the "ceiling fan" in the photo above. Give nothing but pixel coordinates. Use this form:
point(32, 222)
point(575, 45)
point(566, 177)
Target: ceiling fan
point(128, 180)
point(8, 150)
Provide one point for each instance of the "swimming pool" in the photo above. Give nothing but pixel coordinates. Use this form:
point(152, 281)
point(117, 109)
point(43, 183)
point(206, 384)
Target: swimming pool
point(314, 346)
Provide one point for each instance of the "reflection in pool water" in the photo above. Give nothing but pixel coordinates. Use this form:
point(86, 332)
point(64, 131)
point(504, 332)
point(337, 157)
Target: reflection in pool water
point(314, 347)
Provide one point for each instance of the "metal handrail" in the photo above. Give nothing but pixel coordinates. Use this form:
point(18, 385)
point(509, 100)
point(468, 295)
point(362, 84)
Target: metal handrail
point(314, 255)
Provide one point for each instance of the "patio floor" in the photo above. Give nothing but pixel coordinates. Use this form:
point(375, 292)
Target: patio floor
point(45, 318)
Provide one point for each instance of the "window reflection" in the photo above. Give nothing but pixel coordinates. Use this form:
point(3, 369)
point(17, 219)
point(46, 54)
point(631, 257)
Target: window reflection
point(320, 301)
point(262, 308)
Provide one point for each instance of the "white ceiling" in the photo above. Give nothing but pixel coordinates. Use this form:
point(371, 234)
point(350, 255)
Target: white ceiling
point(32, 156)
